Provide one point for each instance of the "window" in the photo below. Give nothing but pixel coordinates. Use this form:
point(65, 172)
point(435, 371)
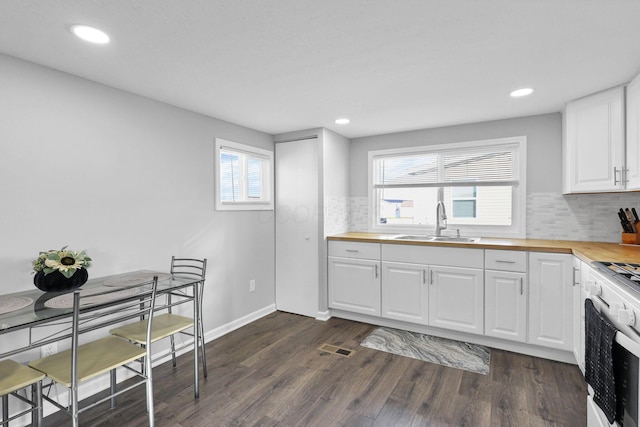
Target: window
point(244, 177)
point(482, 185)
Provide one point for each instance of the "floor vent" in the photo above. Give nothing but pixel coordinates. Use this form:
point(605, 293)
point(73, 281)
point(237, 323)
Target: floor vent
point(336, 350)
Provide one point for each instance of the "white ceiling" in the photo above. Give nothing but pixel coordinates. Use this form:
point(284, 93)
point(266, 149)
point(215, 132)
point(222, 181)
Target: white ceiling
point(388, 65)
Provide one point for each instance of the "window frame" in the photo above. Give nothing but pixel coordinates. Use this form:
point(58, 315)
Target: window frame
point(517, 229)
point(246, 151)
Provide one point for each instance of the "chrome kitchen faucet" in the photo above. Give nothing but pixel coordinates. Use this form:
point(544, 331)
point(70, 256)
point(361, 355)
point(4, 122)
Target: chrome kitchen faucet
point(441, 216)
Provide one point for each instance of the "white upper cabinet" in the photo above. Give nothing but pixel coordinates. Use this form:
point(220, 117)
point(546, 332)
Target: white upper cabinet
point(633, 134)
point(594, 143)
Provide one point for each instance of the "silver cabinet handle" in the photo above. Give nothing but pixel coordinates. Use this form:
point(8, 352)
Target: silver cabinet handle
point(521, 286)
point(625, 176)
point(431, 277)
point(424, 277)
point(615, 173)
point(574, 276)
point(376, 270)
point(505, 262)
point(351, 250)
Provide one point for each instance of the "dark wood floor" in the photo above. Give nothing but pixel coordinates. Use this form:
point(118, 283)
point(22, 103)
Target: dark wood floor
point(270, 373)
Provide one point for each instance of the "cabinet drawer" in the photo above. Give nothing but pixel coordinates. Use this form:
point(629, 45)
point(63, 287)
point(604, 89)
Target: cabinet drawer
point(505, 260)
point(354, 250)
point(434, 255)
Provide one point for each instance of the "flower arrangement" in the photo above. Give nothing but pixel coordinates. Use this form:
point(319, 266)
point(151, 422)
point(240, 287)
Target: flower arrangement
point(64, 261)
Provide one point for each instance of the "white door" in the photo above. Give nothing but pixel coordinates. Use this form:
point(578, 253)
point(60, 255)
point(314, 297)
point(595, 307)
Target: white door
point(354, 285)
point(456, 298)
point(405, 292)
point(594, 143)
point(297, 227)
point(550, 300)
point(505, 305)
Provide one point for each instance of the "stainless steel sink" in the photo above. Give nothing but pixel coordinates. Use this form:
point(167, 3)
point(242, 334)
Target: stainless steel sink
point(455, 239)
point(412, 237)
point(425, 238)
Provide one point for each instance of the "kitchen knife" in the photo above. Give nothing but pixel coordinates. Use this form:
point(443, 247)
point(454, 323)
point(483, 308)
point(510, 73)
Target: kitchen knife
point(631, 219)
point(626, 226)
point(635, 214)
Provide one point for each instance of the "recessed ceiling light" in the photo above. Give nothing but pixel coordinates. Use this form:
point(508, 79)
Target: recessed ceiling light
point(342, 121)
point(90, 34)
point(522, 92)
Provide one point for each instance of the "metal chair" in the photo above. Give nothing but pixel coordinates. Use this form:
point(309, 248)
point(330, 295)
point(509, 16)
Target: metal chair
point(82, 362)
point(167, 325)
point(13, 378)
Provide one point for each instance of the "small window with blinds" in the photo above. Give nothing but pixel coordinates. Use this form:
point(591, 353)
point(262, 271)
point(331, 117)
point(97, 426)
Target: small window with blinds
point(244, 177)
point(481, 184)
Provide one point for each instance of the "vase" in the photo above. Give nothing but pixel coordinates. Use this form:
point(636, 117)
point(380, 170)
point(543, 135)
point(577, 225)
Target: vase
point(57, 282)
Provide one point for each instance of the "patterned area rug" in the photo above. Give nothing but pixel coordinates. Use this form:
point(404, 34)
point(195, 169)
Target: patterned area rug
point(454, 354)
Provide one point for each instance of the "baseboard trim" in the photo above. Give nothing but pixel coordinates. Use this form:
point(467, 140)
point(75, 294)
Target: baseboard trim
point(324, 315)
point(238, 323)
point(165, 355)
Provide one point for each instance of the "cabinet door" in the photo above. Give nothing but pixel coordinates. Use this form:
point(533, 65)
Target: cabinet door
point(576, 301)
point(505, 305)
point(594, 142)
point(405, 292)
point(354, 285)
point(633, 134)
point(550, 296)
point(456, 298)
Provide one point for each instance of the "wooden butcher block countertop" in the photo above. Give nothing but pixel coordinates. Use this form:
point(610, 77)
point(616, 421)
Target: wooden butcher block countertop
point(586, 251)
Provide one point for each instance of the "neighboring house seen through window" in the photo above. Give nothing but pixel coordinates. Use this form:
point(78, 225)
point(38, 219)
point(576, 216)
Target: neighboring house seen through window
point(482, 183)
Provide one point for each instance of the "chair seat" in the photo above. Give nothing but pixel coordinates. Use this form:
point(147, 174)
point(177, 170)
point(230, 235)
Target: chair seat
point(163, 326)
point(94, 358)
point(15, 376)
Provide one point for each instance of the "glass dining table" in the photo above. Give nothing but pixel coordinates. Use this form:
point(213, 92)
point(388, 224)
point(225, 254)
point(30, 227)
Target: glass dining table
point(27, 312)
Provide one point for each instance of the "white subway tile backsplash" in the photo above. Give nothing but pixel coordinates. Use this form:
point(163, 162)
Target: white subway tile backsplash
point(336, 215)
point(590, 217)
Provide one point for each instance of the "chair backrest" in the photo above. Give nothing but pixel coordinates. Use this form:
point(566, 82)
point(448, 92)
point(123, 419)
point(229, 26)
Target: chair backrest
point(189, 267)
point(98, 310)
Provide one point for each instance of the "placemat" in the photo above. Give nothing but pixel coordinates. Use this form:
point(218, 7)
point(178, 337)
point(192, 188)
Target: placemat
point(9, 304)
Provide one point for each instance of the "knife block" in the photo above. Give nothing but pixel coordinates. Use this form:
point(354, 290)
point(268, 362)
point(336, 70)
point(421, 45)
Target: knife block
point(631, 238)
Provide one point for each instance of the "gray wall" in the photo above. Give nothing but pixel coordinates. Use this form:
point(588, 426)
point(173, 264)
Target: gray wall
point(130, 180)
point(544, 147)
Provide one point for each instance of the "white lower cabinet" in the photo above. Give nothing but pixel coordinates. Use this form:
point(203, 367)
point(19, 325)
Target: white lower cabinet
point(354, 277)
point(550, 300)
point(519, 296)
point(405, 293)
point(505, 305)
point(506, 294)
point(456, 298)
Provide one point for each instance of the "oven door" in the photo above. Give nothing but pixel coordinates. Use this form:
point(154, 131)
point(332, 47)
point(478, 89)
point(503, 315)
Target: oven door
point(627, 360)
